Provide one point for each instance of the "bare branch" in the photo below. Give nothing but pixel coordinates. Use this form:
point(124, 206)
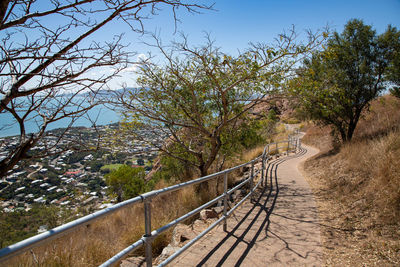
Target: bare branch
point(45, 68)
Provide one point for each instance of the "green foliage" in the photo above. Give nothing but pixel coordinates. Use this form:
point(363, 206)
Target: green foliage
point(272, 115)
point(395, 91)
point(246, 135)
point(112, 167)
point(390, 42)
point(201, 96)
point(172, 169)
point(126, 182)
point(95, 165)
point(76, 157)
point(19, 225)
point(337, 84)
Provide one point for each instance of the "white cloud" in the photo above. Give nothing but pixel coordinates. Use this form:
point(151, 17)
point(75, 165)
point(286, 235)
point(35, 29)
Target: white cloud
point(134, 67)
point(142, 57)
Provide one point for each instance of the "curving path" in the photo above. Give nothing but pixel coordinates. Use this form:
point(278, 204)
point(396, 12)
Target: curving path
point(280, 227)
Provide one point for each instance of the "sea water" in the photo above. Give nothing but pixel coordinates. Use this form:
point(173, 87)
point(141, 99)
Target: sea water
point(102, 114)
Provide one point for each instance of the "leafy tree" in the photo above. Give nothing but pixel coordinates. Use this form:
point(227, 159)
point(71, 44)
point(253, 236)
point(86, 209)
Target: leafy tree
point(390, 41)
point(45, 67)
point(126, 182)
point(337, 84)
point(200, 95)
point(95, 165)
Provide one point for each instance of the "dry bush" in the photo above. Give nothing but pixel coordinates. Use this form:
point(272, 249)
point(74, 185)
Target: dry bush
point(318, 136)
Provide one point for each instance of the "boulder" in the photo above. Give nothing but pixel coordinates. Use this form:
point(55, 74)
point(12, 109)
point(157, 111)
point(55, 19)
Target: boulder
point(181, 234)
point(167, 251)
point(218, 210)
point(208, 214)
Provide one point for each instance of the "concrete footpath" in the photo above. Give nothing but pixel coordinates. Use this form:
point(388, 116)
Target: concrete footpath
point(279, 228)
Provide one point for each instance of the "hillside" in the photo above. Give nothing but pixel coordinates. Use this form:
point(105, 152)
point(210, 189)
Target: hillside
point(357, 187)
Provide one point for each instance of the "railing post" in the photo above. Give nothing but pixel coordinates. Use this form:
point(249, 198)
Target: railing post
point(299, 144)
point(262, 170)
point(225, 200)
point(266, 160)
point(276, 148)
point(147, 229)
point(251, 181)
point(288, 147)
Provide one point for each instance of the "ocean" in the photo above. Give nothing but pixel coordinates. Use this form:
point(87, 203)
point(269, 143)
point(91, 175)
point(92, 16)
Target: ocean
point(9, 127)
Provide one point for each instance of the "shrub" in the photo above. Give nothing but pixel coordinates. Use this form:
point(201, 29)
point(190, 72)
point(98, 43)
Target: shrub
point(126, 182)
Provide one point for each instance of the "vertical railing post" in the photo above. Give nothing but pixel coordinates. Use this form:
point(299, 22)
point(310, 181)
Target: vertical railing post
point(251, 181)
point(262, 170)
point(147, 229)
point(288, 147)
point(266, 160)
point(276, 148)
point(299, 146)
point(225, 200)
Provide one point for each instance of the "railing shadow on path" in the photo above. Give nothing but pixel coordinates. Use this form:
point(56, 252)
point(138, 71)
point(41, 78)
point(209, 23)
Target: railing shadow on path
point(265, 201)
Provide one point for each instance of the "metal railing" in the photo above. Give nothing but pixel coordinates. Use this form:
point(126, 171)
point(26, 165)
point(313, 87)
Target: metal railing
point(293, 143)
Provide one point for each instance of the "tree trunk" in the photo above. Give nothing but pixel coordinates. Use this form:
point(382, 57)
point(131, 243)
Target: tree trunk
point(202, 187)
point(343, 134)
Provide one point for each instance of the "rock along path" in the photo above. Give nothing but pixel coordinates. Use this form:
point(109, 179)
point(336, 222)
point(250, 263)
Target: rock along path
point(279, 228)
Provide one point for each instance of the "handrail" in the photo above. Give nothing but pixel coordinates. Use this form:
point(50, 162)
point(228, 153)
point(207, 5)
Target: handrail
point(149, 236)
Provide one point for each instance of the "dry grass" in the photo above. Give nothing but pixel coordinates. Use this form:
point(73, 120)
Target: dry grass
point(252, 153)
point(318, 137)
point(92, 245)
point(383, 116)
point(358, 190)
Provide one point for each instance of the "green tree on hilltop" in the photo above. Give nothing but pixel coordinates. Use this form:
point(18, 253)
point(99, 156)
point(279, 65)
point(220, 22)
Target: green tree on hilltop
point(337, 84)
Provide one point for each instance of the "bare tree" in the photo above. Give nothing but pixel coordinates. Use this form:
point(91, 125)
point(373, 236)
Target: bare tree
point(47, 55)
point(199, 96)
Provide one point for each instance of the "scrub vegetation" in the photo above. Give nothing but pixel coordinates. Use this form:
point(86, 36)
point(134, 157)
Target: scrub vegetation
point(357, 187)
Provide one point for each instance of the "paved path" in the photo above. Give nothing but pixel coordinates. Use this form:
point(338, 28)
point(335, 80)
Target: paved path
point(280, 228)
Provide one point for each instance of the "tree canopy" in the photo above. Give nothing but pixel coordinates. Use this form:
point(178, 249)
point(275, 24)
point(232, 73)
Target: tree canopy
point(336, 84)
point(199, 96)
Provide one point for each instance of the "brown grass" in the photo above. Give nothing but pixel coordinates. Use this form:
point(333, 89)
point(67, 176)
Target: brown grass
point(92, 245)
point(382, 116)
point(318, 137)
point(358, 190)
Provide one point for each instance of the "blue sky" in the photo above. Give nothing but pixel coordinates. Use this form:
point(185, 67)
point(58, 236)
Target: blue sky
point(235, 23)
